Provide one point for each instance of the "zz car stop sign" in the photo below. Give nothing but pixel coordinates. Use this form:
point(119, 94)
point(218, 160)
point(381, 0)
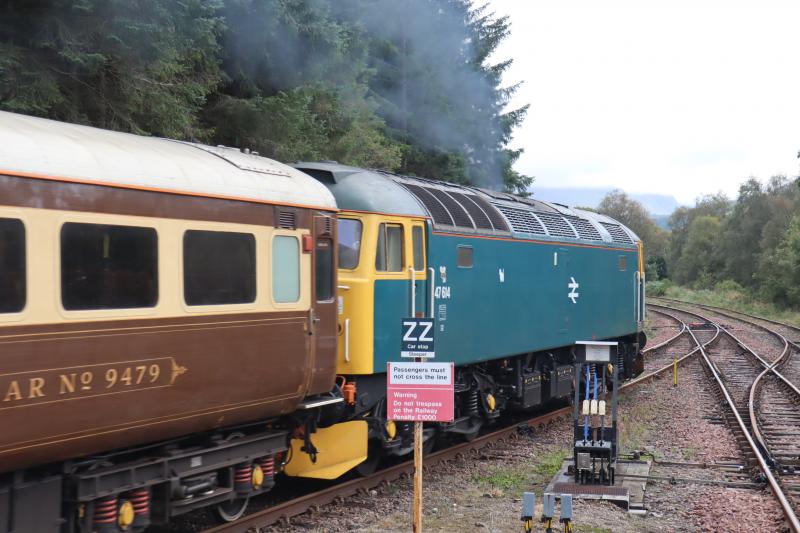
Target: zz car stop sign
point(417, 338)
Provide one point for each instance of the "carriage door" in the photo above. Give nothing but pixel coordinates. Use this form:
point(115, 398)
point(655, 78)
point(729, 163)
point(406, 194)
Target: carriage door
point(323, 317)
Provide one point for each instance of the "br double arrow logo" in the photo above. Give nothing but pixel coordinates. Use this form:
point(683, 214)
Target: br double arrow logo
point(573, 286)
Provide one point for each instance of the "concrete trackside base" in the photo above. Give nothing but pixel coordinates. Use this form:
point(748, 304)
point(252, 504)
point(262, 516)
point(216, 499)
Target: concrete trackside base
point(628, 490)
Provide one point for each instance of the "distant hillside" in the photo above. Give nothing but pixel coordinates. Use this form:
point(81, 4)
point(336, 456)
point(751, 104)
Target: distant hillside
point(659, 205)
point(662, 221)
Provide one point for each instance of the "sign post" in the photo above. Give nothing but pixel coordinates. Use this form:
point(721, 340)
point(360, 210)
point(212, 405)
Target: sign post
point(419, 392)
point(417, 477)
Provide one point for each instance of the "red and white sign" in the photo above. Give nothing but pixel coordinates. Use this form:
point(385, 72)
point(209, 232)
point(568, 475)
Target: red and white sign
point(420, 392)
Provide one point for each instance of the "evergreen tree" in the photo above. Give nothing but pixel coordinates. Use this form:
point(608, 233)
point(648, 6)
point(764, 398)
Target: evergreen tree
point(143, 66)
point(393, 84)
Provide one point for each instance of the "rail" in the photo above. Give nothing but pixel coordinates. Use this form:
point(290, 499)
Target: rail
point(313, 501)
point(755, 439)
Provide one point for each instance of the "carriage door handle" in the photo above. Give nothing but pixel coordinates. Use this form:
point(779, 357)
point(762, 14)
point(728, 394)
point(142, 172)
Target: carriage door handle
point(312, 322)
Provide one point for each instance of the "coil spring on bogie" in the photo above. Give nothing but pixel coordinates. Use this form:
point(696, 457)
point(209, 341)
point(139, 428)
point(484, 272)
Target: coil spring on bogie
point(472, 402)
point(105, 511)
point(140, 499)
point(243, 475)
point(267, 465)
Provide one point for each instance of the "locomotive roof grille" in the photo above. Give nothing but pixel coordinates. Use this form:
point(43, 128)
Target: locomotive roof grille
point(459, 214)
point(557, 225)
point(586, 230)
point(479, 216)
point(437, 210)
point(459, 207)
point(617, 233)
point(522, 220)
point(491, 211)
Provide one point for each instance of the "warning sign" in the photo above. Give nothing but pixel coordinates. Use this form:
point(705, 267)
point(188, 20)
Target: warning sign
point(420, 392)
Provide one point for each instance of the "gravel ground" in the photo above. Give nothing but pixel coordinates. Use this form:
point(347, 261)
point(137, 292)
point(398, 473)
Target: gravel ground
point(767, 346)
point(659, 328)
point(664, 328)
point(680, 427)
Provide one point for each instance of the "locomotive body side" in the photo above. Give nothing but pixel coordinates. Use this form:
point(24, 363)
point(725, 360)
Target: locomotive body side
point(513, 296)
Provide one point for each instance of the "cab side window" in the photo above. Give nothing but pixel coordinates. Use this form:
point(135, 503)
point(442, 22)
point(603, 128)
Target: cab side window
point(12, 265)
point(419, 248)
point(389, 256)
point(349, 242)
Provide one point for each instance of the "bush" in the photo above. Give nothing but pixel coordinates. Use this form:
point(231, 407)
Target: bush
point(658, 288)
point(728, 285)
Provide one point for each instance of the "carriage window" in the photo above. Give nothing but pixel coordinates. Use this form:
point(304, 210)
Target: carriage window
point(285, 269)
point(389, 256)
point(419, 248)
point(12, 265)
point(219, 267)
point(324, 270)
point(623, 263)
point(108, 267)
point(465, 256)
point(349, 242)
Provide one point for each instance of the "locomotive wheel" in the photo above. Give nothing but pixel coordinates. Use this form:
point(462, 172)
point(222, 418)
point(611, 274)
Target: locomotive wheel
point(429, 445)
point(477, 424)
point(373, 459)
point(232, 510)
point(469, 437)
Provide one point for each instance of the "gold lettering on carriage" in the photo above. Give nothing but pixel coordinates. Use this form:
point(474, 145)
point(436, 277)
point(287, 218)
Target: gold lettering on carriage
point(19, 389)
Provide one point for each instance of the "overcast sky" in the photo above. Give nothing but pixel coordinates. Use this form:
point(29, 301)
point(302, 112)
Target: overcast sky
point(648, 96)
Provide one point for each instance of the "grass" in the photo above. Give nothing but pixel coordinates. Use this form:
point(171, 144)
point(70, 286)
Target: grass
point(505, 480)
point(550, 463)
point(730, 296)
point(636, 420)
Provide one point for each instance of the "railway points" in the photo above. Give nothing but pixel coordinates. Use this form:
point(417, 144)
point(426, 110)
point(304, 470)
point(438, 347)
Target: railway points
point(764, 386)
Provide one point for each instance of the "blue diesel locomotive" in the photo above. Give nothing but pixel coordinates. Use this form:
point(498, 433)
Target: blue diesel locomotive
point(512, 283)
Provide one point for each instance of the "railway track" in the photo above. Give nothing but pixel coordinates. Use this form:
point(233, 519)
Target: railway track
point(762, 403)
point(312, 502)
point(747, 385)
